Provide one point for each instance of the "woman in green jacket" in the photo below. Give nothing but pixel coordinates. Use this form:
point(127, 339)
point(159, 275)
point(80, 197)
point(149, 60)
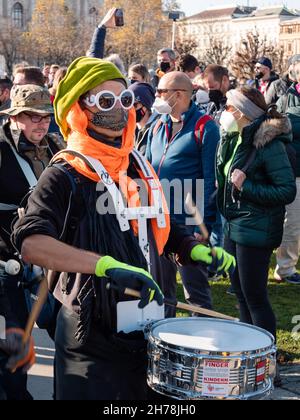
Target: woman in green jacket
point(255, 183)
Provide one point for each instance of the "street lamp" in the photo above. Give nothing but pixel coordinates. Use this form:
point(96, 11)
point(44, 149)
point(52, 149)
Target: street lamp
point(175, 16)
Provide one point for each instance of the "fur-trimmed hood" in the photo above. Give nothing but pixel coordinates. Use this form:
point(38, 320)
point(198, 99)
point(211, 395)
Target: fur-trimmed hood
point(270, 129)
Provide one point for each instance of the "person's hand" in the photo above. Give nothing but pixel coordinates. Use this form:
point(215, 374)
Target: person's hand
point(238, 178)
point(20, 356)
point(199, 237)
point(126, 276)
point(109, 19)
point(217, 259)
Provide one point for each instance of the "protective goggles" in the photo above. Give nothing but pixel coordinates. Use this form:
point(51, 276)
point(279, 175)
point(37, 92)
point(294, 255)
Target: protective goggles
point(106, 100)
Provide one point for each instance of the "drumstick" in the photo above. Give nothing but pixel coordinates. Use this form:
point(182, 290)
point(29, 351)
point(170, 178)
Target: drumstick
point(192, 208)
point(196, 215)
point(37, 307)
point(186, 307)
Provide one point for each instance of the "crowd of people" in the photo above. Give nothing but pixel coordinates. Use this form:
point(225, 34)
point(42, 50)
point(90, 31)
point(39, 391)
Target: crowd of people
point(65, 131)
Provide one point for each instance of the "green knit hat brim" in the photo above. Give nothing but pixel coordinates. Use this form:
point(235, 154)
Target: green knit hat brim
point(83, 75)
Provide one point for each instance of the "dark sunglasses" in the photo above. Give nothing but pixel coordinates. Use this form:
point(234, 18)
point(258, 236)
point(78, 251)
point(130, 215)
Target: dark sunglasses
point(38, 118)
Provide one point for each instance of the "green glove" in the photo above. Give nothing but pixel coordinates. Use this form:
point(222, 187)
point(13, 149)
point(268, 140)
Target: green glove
point(202, 253)
point(220, 263)
point(126, 276)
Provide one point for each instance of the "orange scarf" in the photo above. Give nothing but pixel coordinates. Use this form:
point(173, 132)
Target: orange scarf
point(115, 161)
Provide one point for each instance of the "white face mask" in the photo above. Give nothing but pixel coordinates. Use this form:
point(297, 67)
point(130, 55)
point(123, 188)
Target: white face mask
point(161, 106)
point(228, 122)
point(202, 97)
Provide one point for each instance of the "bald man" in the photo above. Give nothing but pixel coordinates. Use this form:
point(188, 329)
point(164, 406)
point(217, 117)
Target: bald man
point(182, 148)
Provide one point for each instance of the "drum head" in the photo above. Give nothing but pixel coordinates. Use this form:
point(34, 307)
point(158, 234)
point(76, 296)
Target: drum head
point(212, 335)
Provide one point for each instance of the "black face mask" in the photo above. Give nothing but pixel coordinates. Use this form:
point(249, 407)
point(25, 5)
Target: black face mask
point(116, 119)
point(165, 67)
point(132, 82)
point(259, 75)
point(140, 113)
point(215, 96)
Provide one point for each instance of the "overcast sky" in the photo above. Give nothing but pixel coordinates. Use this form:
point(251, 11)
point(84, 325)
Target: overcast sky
point(191, 7)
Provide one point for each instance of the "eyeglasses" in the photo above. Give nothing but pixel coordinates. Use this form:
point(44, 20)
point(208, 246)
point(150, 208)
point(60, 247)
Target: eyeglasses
point(36, 119)
point(161, 91)
point(106, 100)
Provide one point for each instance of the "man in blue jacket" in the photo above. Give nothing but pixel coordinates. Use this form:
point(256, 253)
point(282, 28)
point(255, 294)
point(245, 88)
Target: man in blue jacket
point(182, 148)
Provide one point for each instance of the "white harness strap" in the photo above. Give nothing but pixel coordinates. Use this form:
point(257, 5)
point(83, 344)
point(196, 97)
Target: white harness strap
point(29, 175)
point(26, 168)
point(126, 214)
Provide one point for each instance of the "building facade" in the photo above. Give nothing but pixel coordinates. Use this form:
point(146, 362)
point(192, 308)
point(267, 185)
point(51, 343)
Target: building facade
point(265, 21)
point(212, 23)
point(230, 25)
point(290, 37)
point(21, 11)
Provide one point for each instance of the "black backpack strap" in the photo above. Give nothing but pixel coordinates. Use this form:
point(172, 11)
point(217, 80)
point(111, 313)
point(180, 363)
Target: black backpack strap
point(77, 198)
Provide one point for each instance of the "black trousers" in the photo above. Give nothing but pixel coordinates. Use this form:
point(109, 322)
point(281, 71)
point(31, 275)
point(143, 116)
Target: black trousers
point(250, 282)
point(13, 387)
point(106, 367)
point(197, 290)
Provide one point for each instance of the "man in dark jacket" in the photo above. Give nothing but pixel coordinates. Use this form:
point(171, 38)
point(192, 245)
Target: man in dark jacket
point(25, 151)
point(217, 82)
point(264, 75)
point(289, 251)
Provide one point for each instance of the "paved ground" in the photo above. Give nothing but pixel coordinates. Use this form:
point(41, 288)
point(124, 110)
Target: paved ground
point(41, 375)
point(291, 384)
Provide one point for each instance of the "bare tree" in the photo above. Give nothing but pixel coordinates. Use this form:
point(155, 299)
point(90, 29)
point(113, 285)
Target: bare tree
point(145, 32)
point(11, 46)
point(54, 33)
point(251, 48)
point(186, 44)
point(217, 52)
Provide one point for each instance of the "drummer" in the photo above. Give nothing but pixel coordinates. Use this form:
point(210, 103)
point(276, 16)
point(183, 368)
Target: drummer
point(67, 229)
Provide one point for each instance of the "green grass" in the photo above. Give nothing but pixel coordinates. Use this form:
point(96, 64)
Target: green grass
point(285, 300)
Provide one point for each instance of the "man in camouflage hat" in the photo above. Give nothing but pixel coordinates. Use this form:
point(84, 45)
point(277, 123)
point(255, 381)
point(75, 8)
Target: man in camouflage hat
point(25, 151)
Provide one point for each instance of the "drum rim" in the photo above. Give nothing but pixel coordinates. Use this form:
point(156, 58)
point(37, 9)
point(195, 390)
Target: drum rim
point(160, 341)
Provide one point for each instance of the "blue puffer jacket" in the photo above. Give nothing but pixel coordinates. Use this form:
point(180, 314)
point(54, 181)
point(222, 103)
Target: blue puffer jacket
point(184, 157)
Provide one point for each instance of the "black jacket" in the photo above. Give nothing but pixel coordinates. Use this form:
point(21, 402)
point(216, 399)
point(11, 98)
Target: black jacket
point(55, 210)
point(5, 309)
point(14, 186)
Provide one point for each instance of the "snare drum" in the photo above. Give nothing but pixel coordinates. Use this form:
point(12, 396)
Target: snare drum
point(201, 358)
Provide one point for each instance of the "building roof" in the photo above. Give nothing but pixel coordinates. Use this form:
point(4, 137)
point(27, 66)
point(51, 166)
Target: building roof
point(274, 11)
point(291, 22)
point(216, 13)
